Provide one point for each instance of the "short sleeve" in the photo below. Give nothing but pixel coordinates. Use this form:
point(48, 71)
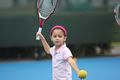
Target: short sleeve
point(51, 50)
point(67, 53)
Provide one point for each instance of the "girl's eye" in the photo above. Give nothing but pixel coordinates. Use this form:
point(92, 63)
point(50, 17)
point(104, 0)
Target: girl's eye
point(54, 36)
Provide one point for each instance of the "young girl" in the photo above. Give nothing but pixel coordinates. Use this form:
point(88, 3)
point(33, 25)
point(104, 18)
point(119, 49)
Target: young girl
point(61, 56)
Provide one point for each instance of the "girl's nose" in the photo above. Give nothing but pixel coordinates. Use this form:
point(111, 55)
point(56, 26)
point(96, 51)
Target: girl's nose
point(57, 37)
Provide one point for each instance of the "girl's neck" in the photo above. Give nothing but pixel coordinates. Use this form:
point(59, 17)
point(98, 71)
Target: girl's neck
point(58, 46)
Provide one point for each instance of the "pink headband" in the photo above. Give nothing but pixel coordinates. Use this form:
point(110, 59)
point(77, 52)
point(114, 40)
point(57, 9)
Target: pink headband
point(59, 27)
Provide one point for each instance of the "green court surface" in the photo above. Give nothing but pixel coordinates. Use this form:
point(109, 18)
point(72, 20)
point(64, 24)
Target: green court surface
point(103, 68)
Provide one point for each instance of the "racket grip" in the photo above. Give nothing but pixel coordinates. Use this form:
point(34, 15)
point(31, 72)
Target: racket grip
point(39, 30)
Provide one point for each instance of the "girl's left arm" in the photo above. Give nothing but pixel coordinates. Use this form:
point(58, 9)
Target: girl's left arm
point(73, 65)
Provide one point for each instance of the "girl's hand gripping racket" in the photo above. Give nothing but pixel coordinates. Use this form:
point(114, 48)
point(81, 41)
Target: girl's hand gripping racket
point(45, 10)
point(117, 11)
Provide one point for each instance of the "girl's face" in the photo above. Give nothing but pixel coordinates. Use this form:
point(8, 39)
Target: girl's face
point(58, 37)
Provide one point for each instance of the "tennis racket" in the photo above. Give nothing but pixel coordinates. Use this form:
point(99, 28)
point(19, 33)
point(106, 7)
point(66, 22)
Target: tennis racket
point(117, 11)
point(45, 10)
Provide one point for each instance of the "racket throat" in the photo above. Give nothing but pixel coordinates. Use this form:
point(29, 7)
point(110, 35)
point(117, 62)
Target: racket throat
point(41, 23)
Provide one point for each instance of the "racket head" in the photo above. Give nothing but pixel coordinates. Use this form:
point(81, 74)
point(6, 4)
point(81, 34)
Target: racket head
point(117, 11)
point(46, 8)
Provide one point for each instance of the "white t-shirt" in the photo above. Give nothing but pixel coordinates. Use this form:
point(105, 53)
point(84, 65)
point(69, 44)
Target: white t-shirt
point(60, 66)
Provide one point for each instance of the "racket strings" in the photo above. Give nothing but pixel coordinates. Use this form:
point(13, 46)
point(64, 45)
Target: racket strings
point(45, 11)
point(46, 7)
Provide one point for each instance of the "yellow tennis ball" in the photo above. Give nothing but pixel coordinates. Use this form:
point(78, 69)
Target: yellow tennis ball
point(82, 74)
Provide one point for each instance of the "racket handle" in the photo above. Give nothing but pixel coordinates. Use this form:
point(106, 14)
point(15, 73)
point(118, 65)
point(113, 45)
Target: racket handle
point(39, 30)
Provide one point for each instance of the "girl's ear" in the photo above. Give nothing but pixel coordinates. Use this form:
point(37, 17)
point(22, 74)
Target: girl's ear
point(51, 38)
point(65, 38)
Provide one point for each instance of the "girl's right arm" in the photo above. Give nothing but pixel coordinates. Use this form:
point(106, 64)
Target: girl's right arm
point(44, 42)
